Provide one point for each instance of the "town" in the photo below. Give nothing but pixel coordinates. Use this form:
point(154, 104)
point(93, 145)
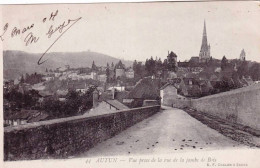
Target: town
point(66, 91)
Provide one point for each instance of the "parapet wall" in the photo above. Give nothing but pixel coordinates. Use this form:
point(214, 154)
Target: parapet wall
point(65, 137)
point(240, 106)
point(177, 103)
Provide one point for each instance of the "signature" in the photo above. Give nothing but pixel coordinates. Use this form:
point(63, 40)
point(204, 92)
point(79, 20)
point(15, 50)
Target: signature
point(31, 38)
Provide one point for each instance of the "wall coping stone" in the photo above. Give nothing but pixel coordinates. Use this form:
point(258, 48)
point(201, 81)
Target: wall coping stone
point(235, 91)
point(67, 119)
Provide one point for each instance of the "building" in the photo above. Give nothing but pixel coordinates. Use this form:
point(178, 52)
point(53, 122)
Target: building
point(243, 55)
point(130, 73)
point(94, 75)
point(105, 105)
point(120, 70)
point(102, 77)
point(168, 91)
point(24, 117)
point(194, 60)
point(204, 54)
point(145, 89)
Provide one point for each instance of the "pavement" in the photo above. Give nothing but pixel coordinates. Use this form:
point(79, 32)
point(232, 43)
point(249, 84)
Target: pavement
point(168, 131)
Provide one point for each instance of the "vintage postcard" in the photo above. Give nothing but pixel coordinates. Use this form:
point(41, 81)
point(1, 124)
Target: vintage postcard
point(147, 84)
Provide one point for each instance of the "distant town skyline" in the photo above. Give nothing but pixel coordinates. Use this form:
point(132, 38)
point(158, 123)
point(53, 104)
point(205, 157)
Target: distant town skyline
point(137, 31)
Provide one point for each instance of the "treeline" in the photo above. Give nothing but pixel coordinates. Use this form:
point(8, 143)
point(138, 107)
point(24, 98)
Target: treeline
point(154, 67)
point(17, 100)
point(32, 79)
point(75, 102)
point(243, 68)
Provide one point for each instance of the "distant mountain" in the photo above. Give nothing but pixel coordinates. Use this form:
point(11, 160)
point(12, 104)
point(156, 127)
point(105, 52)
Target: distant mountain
point(17, 63)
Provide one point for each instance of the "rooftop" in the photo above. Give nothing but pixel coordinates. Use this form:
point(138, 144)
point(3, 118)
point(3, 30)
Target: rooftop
point(118, 105)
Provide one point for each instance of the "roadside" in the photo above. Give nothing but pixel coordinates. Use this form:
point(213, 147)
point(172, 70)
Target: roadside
point(237, 132)
point(168, 131)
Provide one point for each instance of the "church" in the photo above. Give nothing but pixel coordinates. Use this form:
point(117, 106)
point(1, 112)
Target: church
point(204, 54)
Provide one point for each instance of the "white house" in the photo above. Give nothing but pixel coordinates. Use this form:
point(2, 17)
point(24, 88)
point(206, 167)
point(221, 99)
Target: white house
point(168, 91)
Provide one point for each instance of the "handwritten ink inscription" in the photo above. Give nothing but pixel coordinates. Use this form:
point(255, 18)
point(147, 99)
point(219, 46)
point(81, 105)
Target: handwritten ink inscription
point(31, 38)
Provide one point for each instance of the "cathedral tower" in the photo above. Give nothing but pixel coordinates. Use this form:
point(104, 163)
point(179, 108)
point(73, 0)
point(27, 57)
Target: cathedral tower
point(204, 54)
point(243, 55)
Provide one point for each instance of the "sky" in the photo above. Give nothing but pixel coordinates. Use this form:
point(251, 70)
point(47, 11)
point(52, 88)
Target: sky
point(137, 31)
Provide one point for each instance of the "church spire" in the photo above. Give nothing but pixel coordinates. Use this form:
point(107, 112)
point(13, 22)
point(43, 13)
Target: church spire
point(204, 44)
point(205, 48)
point(204, 29)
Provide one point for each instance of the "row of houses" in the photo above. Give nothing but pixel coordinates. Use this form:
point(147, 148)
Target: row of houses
point(23, 117)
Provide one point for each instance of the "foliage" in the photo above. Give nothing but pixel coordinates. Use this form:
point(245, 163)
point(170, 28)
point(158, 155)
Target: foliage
point(254, 71)
point(224, 63)
point(32, 79)
point(75, 103)
point(139, 70)
point(243, 69)
point(20, 100)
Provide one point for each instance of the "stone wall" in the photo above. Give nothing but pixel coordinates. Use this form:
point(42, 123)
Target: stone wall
point(151, 102)
point(61, 138)
point(240, 106)
point(179, 102)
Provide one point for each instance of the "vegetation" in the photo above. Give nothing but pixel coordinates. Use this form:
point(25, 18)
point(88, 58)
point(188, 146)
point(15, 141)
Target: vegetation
point(75, 103)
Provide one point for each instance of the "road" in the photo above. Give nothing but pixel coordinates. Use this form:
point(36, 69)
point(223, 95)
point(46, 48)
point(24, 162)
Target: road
point(171, 130)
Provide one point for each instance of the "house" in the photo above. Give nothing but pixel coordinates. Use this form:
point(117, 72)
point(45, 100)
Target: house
point(145, 89)
point(205, 87)
point(83, 90)
point(116, 104)
point(190, 87)
point(194, 60)
point(62, 92)
point(171, 75)
point(105, 106)
point(44, 95)
point(24, 117)
point(94, 75)
point(41, 117)
point(118, 88)
point(84, 76)
point(24, 87)
point(168, 91)
point(130, 73)
point(102, 77)
point(48, 78)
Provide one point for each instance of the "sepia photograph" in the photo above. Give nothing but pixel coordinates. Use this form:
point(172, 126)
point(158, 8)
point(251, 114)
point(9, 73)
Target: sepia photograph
point(136, 84)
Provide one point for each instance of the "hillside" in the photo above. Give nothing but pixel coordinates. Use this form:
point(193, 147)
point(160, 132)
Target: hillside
point(17, 63)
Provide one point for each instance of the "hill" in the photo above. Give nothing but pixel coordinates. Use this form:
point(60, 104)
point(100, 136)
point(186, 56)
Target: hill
point(17, 63)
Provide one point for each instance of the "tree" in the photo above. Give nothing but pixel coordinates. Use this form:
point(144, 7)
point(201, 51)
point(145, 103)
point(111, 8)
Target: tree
point(139, 70)
point(172, 62)
point(150, 66)
point(94, 67)
point(243, 69)
point(159, 65)
point(108, 73)
point(22, 79)
point(112, 65)
point(224, 63)
point(27, 76)
point(134, 65)
point(254, 71)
